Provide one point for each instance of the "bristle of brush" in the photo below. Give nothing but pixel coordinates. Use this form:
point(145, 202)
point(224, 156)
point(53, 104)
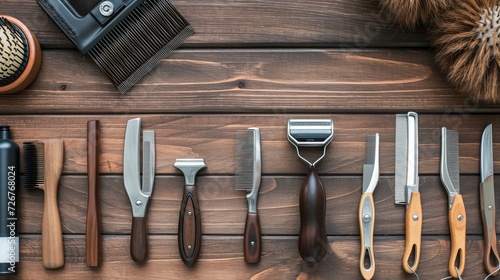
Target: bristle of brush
point(245, 159)
point(14, 52)
point(33, 164)
point(139, 42)
point(412, 13)
point(467, 46)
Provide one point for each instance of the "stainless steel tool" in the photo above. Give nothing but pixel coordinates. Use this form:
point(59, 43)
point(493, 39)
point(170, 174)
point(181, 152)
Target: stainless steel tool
point(248, 173)
point(456, 209)
point(138, 194)
point(316, 133)
point(407, 186)
point(189, 229)
point(366, 212)
point(491, 259)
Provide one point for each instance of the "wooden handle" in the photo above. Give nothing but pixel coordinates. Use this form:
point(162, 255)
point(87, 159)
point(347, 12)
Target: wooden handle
point(458, 223)
point(189, 236)
point(491, 259)
point(312, 205)
point(93, 221)
point(139, 240)
point(52, 240)
point(366, 214)
point(252, 240)
point(413, 233)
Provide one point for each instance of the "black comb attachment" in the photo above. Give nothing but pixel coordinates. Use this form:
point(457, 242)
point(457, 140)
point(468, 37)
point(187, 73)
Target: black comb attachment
point(14, 52)
point(139, 42)
point(33, 164)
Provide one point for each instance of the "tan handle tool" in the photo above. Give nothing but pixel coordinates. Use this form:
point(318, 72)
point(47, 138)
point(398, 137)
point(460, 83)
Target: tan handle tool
point(413, 233)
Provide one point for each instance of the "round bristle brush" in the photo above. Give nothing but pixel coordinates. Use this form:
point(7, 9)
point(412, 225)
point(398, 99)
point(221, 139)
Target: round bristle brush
point(20, 55)
point(411, 13)
point(467, 40)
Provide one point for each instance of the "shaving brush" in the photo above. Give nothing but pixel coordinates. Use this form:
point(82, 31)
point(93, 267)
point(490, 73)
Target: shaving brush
point(411, 13)
point(467, 40)
point(20, 55)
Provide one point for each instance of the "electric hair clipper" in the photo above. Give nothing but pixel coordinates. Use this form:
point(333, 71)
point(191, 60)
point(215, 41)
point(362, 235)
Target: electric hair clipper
point(312, 202)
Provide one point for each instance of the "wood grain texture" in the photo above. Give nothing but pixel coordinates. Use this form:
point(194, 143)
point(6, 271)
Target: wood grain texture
point(339, 23)
point(273, 81)
point(93, 218)
point(222, 258)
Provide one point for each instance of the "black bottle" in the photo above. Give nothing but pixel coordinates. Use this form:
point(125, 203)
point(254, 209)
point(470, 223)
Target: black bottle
point(9, 185)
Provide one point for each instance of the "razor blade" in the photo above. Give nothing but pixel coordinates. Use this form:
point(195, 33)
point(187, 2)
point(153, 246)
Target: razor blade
point(314, 133)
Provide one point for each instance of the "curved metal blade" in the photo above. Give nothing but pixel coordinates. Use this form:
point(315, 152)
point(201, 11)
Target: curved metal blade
point(487, 153)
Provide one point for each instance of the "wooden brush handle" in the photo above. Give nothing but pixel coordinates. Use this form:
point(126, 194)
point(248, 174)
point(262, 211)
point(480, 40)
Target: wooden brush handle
point(93, 224)
point(189, 237)
point(139, 239)
point(252, 240)
point(312, 203)
point(52, 240)
point(413, 233)
point(457, 221)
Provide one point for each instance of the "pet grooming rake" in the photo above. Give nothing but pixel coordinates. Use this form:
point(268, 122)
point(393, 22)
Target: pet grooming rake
point(125, 38)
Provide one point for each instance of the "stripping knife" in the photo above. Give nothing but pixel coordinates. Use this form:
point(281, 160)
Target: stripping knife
point(138, 195)
point(366, 211)
point(407, 186)
point(487, 198)
point(456, 209)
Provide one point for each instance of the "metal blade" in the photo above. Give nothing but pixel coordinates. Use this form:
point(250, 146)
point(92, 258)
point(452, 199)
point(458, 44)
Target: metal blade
point(401, 158)
point(412, 172)
point(131, 155)
point(487, 153)
point(371, 168)
point(148, 162)
point(452, 160)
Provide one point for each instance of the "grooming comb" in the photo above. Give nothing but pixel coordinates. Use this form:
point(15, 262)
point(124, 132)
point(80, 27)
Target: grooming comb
point(247, 171)
point(20, 55)
point(125, 38)
point(43, 163)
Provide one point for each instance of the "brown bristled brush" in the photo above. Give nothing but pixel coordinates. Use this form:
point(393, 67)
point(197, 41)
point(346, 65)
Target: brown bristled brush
point(466, 39)
point(20, 55)
point(411, 13)
point(43, 163)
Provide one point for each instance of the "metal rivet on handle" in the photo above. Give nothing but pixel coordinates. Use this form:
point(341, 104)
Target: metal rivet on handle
point(415, 218)
point(252, 243)
point(367, 217)
point(190, 213)
point(106, 8)
point(138, 203)
point(190, 247)
point(460, 218)
point(490, 207)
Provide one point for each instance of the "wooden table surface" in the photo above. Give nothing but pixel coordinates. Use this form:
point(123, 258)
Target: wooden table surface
point(252, 63)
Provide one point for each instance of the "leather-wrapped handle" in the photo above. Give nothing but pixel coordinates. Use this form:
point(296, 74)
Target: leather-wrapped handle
point(413, 233)
point(491, 259)
point(312, 205)
point(458, 223)
point(189, 237)
point(252, 238)
point(366, 216)
point(139, 240)
point(93, 221)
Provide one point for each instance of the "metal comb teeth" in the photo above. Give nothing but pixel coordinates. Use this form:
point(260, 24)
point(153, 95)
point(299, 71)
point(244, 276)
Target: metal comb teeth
point(139, 42)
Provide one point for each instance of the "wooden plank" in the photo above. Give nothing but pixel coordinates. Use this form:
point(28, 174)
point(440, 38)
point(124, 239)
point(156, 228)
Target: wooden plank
point(212, 137)
point(222, 258)
point(223, 209)
point(340, 23)
point(276, 81)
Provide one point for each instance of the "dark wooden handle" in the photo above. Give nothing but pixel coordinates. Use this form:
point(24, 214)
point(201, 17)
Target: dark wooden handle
point(491, 259)
point(93, 224)
point(189, 237)
point(252, 240)
point(139, 240)
point(312, 205)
